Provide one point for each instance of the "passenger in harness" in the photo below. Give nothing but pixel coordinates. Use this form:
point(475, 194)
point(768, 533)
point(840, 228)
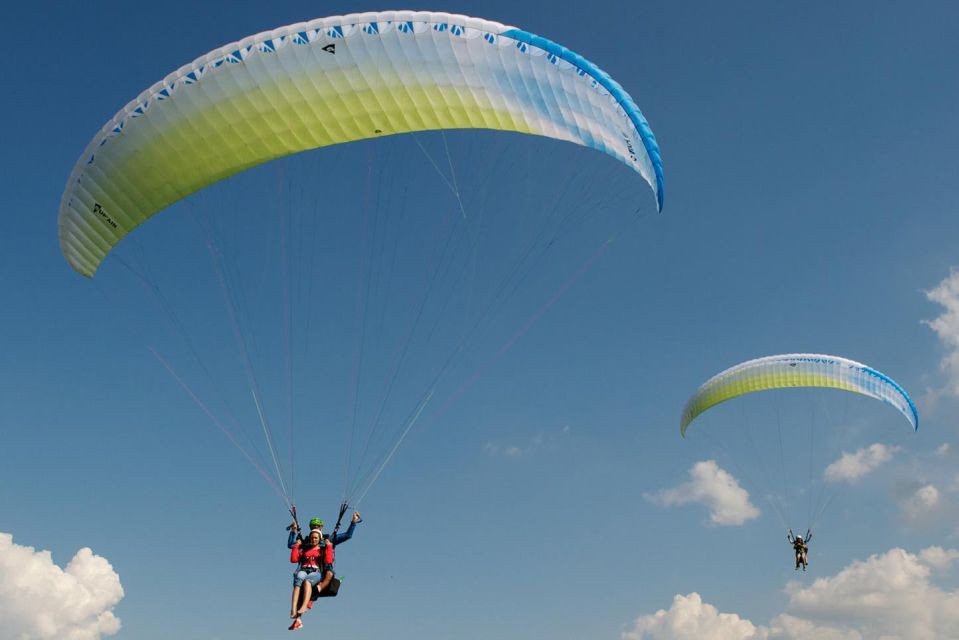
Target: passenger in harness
point(310, 559)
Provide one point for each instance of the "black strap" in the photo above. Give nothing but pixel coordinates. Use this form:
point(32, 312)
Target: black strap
point(339, 520)
point(296, 521)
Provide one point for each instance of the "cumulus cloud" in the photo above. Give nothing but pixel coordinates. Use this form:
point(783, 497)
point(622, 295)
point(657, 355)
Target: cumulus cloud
point(943, 450)
point(885, 596)
point(39, 600)
point(946, 326)
point(922, 503)
point(938, 558)
point(690, 618)
point(851, 467)
point(714, 487)
point(889, 596)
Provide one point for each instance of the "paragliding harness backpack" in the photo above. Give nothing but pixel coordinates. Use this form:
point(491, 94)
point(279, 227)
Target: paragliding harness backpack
point(327, 558)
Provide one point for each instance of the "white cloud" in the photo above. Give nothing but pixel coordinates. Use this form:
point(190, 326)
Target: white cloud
point(851, 467)
point(938, 558)
point(921, 504)
point(690, 619)
point(886, 597)
point(39, 600)
point(728, 503)
point(946, 326)
point(943, 450)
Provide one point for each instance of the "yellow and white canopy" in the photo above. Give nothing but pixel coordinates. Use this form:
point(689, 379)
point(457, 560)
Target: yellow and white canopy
point(329, 81)
point(797, 370)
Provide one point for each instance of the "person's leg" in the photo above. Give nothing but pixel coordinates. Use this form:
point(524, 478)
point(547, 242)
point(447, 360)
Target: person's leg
point(306, 592)
point(296, 598)
point(327, 577)
point(297, 584)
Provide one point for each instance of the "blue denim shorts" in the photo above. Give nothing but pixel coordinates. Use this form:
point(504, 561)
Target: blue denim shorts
point(313, 577)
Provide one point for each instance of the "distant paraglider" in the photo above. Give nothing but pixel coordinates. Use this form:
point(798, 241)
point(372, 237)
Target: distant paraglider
point(800, 546)
point(798, 370)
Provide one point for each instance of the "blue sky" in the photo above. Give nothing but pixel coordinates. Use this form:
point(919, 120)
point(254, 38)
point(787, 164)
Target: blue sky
point(810, 167)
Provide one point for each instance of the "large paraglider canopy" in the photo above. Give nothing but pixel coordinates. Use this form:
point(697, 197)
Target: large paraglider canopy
point(330, 81)
point(348, 81)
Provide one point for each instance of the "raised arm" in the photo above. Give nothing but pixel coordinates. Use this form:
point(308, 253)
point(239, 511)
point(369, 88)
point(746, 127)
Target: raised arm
point(346, 535)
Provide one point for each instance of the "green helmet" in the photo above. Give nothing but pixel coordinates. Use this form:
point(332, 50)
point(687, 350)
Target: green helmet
point(316, 523)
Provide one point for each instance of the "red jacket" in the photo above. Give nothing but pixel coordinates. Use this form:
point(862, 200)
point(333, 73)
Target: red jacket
point(313, 557)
